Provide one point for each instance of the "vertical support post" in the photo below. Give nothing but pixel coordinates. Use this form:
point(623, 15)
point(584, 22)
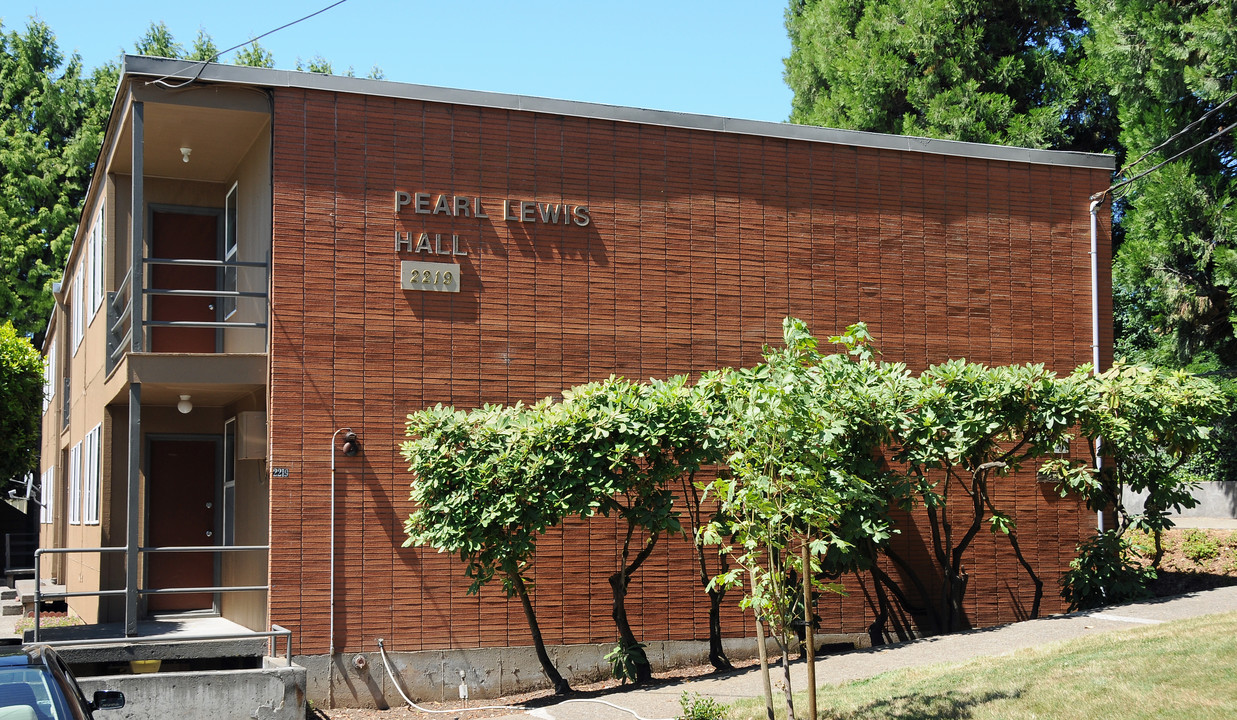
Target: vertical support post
point(134, 511)
point(38, 587)
point(137, 234)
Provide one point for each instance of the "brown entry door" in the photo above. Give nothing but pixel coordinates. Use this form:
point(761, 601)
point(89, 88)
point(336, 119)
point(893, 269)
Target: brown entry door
point(183, 236)
point(182, 477)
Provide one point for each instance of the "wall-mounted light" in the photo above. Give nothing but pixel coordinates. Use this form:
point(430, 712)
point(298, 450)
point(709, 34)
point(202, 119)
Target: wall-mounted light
point(184, 154)
point(184, 406)
point(352, 446)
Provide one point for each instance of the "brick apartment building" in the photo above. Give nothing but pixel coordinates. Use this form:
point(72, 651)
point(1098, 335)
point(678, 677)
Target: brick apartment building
point(267, 257)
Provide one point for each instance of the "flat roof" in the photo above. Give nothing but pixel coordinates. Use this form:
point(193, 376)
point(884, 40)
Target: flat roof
point(179, 71)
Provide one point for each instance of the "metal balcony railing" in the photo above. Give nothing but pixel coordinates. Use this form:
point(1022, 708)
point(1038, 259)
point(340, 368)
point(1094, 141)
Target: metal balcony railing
point(40, 596)
point(128, 302)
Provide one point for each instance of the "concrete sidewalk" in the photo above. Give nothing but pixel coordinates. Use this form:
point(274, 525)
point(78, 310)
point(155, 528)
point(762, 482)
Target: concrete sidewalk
point(663, 701)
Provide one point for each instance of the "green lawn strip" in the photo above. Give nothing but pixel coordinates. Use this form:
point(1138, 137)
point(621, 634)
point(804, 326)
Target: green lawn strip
point(1183, 670)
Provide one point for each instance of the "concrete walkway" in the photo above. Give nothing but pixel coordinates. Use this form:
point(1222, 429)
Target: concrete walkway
point(663, 701)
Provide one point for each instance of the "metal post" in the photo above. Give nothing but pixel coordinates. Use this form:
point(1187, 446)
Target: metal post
point(38, 584)
point(137, 234)
point(133, 537)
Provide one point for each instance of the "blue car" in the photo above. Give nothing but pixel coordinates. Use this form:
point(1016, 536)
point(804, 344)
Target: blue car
point(35, 684)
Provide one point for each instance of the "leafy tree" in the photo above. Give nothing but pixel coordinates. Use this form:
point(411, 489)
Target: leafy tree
point(479, 494)
point(51, 127)
point(994, 72)
point(795, 457)
point(21, 396)
point(965, 427)
point(1147, 423)
point(625, 444)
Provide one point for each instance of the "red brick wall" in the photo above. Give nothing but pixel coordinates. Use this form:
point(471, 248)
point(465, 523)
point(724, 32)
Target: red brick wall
point(700, 243)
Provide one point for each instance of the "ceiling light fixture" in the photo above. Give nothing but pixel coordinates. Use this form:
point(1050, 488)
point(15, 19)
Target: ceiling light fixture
point(184, 154)
point(184, 406)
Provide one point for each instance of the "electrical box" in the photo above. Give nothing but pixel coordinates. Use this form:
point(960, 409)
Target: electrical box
point(251, 435)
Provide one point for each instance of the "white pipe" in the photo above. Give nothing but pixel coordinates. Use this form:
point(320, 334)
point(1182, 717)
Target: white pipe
point(1095, 327)
point(331, 656)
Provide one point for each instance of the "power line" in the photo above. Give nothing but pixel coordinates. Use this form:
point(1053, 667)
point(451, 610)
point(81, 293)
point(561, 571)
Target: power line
point(1223, 131)
point(1152, 169)
point(1176, 135)
point(203, 63)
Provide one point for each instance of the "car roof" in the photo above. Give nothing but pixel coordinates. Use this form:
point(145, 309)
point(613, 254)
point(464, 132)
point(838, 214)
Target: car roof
point(19, 656)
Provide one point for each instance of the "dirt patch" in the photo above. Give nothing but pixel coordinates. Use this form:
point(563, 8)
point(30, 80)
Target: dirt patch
point(1194, 559)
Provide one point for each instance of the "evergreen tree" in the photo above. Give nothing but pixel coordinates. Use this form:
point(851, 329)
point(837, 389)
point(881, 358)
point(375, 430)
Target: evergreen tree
point(1004, 72)
point(51, 127)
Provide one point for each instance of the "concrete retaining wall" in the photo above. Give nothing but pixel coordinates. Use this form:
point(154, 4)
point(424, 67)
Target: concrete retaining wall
point(274, 692)
point(1215, 500)
point(359, 679)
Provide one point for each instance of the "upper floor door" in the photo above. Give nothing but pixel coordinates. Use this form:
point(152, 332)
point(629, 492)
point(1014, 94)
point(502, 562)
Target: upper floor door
point(184, 235)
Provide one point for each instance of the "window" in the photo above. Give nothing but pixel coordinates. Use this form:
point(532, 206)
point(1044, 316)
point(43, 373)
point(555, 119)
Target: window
point(49, 375)
point(75, 485)
point(78, 308)
point(95, 248)
point(90, 478)
point(229, 251)
point(47, 494)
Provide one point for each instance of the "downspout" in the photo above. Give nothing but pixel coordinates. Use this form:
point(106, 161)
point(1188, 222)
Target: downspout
point(1096, 201)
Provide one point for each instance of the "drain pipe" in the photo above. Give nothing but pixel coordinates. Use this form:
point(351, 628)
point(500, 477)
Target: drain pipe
point(331, 652)
point(1096, 201)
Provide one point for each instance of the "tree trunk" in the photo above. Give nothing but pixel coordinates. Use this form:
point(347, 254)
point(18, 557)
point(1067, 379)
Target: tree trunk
point(551, 673)
point(762, 647)
point(618, 588)
point(627, 639)
point(809, 619)
point(717, 653)
point(790, 699)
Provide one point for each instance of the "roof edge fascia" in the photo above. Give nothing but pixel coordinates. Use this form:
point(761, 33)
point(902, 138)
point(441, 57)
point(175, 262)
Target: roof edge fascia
point(177, 71)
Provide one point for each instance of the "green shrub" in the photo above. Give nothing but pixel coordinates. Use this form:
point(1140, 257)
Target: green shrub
point(625, 659)
point(697, 707)
point(1199, 546)
point(1105, 574)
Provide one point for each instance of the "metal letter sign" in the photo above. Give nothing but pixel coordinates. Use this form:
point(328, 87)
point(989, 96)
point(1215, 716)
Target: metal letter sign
point(434, 277)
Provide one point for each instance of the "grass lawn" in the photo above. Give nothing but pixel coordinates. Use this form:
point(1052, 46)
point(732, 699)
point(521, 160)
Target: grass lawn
point(1180, 670)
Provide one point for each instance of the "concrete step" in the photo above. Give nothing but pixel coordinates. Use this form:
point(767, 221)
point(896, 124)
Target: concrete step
point(11, 607)
point(8, 593)
point(25, 589)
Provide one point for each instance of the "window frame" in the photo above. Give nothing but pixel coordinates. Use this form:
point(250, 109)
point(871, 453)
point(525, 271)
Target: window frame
point(91, 471)
point(95, 252)
point(47, 497)
point(75, 485)
point(77, 306)
point(230, 244)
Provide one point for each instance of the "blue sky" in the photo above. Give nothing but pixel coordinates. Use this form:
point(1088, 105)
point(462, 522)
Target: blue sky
point(714, 58)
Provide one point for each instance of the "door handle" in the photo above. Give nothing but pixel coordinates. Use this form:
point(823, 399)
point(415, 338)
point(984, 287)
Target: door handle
point(210, 533)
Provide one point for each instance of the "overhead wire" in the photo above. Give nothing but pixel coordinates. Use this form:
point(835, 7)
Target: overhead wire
point(1178, 134)
point(203, 63)
point(1113, 188)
